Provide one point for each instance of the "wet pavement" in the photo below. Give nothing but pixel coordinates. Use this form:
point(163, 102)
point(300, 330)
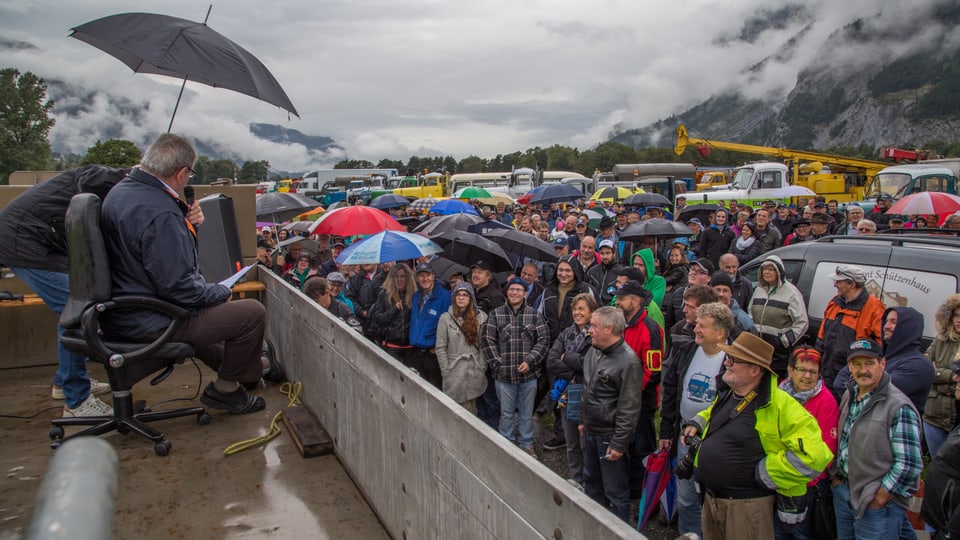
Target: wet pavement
point(195, 492)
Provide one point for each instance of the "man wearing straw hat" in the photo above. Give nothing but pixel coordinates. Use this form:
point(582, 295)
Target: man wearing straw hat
point(759, 445)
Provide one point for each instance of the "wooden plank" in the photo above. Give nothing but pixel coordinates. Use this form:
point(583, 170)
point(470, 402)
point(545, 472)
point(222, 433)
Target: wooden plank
point(307, 432)
point(28, 300)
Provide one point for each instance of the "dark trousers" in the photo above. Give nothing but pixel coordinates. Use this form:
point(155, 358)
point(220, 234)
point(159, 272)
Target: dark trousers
point(229, 338)
point(607, 482)
point(426, 364)
point(644, 443)
point(488, 404)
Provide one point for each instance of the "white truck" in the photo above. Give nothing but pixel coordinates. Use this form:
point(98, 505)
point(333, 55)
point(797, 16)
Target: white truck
point(753, 184)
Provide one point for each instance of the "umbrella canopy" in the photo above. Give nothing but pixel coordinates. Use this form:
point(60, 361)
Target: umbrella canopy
point(556, 193)
point(188, 50)
point(308, 245)
point(453, 206)
point(594, 215)
point(497, 197)
point(471, 192)
point(282, 206)
point(388, 201)
point(468, 248)
point(647, 199)
point(355, 220)
point(699, 211)
point(423, 205)
point(388, 246)
point(612, 194)
point(656, 227)
point(438, 224)
point(445, 268)
point(926, 202)
point(525, 198)
point(300, 226)
point(656, 476)
point(310, 215)
point(523, 244)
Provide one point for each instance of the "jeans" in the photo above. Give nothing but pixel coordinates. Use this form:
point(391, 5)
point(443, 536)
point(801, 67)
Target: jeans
point(935, 437)
point(54, 289)
point(875, 524)
point(488, 404)
point(517, 397)
point(571, 433)
point(688, 501)
point(607, 482)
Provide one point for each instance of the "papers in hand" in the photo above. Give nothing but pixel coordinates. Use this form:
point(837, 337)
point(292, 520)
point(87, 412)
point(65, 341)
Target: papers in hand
point(232, 280)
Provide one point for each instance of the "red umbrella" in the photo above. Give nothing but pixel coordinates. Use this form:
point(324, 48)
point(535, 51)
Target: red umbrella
point(355, 220)
point(926, 202)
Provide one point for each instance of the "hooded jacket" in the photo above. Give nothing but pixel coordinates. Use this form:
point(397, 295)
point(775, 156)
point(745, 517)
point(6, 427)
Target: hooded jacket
point(940, 409)
point(560, 318)
point(601, 278)
point(716, 240)
point(645, 337)
point(843, 323)
point(910, 371)
point(655, 282)
point(779, 311)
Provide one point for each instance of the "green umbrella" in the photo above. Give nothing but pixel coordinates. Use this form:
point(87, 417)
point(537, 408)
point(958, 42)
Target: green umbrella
point(472, 192)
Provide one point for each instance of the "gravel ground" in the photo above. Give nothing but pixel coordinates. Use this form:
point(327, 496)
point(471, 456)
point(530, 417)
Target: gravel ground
point(556, 460)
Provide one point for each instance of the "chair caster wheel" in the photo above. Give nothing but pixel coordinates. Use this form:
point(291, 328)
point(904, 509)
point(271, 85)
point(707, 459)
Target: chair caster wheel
point(162, 448)
point(204, 419)
point(56, 433)
point(122, 429)
point(55, 444)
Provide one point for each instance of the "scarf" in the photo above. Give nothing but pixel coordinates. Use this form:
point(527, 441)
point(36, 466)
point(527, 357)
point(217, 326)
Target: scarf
point(744, 243)
point(562, 291)
point(802, 397)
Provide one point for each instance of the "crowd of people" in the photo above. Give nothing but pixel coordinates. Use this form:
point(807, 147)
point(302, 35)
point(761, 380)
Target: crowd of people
point(779, 429)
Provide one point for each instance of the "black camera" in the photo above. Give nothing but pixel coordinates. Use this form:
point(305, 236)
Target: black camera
point(685, 467)
point(955, 366)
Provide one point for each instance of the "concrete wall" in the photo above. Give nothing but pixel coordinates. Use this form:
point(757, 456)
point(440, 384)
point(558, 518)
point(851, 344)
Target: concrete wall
point(428, 468)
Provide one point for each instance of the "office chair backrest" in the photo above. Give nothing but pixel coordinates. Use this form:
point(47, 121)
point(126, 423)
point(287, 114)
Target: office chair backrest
point(89, 267)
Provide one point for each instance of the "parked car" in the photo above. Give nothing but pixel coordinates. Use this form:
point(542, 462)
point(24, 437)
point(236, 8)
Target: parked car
point(913, 270)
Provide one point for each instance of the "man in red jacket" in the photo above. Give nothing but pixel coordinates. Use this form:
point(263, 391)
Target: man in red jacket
point(645, 337)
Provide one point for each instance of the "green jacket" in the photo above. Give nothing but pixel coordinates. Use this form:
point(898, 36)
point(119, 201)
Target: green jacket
point(655, 282)
point(791, 439)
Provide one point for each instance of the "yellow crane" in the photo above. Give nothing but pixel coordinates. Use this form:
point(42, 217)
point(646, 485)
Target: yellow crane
point(835, 177)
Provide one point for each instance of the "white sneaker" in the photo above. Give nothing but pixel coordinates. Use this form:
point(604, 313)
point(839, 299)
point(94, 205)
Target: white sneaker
point(92, 406)
point(96, 388)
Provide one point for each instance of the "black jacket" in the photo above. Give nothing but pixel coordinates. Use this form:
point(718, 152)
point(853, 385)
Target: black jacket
point(490, 298)
point(387, 323)
point(714, 243)
point(34, 235)
point(152, 253)
point(674, 371)
point(557, 318)
point(613, 383)
point(362, 292)
point(572, 346)
point(601, 278)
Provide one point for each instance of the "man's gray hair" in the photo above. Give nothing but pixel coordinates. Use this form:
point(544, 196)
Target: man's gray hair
point(168, 154)
point(612, 318)
point(721, 315)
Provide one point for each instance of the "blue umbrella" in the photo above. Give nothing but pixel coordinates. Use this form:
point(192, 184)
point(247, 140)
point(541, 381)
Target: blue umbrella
point(453, 206)
point(388, 246)
point(388, 201)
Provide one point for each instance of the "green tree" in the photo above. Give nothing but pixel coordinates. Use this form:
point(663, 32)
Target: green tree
point(471, 164)
point(253, 172)
point(561, 158)
point(24, 122)
point(113, 153)
point(353, 164)
point(219, 168)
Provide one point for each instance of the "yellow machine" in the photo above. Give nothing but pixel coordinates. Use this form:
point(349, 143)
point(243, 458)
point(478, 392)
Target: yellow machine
point(835, 177)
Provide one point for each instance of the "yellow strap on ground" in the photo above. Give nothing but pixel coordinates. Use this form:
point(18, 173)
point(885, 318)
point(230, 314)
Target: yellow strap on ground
point(292, 391)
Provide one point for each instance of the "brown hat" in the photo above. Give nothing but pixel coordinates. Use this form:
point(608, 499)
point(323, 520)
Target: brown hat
point(752, 349)
point(822, 219)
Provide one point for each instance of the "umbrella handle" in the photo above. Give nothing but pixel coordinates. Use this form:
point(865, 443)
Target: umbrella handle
point(177, 105)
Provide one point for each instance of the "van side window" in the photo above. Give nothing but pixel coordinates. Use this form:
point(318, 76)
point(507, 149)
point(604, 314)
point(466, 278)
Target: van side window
point(770, 180)
point(935, 183)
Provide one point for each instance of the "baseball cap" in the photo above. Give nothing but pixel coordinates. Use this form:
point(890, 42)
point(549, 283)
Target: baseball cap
point(896, 217)
point(339, 244)
point(864, 347)
point(885, 197)
point(819, 205)
point(605, 222)
point(631, 287)
point(559, 242)
point(705, 265)
point(424, 267)
point(483, 265)
point(605, 244)
point(695, 221)
point(265, 229)
point(336, 277)
point(850, 272)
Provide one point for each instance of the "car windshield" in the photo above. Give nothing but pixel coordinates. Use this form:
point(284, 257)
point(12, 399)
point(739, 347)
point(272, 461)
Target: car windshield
point(743, 178)
point(894, 184)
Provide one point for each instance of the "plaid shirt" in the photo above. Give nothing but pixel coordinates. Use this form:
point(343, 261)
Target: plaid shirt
point(904, 441)
point(512, 337)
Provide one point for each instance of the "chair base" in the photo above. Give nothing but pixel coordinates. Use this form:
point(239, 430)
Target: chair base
point(125, 420)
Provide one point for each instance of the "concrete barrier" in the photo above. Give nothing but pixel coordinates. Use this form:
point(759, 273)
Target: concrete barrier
point(428, 468)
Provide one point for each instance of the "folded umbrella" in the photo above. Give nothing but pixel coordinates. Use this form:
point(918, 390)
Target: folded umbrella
point(388, 246)
point(655, 479)
point(468, 248)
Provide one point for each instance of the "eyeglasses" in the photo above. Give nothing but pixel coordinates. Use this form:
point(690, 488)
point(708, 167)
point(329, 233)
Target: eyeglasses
point(805, 371)
point(581, 224)
point(462, 294)
point(193, 173)
point(729, 360)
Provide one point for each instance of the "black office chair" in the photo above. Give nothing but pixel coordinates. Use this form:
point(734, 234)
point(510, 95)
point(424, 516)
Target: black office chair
point(126, 362)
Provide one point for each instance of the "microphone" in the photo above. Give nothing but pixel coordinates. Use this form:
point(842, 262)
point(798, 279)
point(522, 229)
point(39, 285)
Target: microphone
point(189, 195)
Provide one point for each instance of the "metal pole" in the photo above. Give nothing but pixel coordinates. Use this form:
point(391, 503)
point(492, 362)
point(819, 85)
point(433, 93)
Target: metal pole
point(184, 85)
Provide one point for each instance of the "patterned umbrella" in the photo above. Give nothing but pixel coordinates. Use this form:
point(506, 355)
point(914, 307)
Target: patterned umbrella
point(612, 194)
point(926, 202)
point(423, 205)
point(388, 246)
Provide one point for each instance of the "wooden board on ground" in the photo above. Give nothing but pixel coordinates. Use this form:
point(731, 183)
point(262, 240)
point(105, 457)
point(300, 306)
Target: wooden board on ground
point(307, 432)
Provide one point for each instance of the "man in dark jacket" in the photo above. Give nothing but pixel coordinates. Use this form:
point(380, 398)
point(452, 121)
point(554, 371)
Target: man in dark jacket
point(715, 240)
point(613, 382)
point(602, 277)
point(488, 295)
point(34, 245)
point(742, 288)
point(363, 289)
point(153, 252)
point(910, 371)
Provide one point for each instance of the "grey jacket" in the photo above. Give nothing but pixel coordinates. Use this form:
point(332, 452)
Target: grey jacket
point(462, 365)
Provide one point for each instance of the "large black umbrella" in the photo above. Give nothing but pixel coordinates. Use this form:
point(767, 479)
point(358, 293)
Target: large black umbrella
point(438, 224)
point(556, 193)
point(699, 211)
point(388, 201)
point(523, 244)
point(188, 50)
point(656, 227)
point(280, 207)
point(467, 248)
point(647, 199)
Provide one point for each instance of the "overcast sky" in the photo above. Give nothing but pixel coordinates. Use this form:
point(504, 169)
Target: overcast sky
point(393, 78)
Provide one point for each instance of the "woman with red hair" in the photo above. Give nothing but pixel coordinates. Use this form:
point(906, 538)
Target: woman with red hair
point(804, 383)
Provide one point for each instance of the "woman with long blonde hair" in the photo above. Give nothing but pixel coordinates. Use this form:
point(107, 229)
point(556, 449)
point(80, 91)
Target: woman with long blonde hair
point(390, 315)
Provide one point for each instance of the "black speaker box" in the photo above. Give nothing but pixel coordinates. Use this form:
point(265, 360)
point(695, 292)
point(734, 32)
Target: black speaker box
point(218, 239)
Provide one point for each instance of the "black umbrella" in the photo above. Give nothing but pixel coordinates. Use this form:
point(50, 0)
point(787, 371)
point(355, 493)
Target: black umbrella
point(188, 50)
point(467, 248)
point(444, 268)
point(438, 224)
point(280, 207)
point(656, 227)
point(523, 244)
point(647, 199)
point(699, 211)
point(556, 193)
point(388, 201)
